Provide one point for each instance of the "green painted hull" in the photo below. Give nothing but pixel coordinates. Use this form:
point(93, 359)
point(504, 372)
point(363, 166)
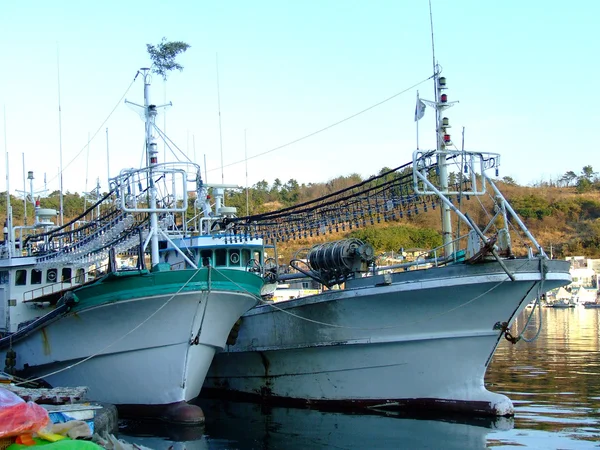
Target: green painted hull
point(124, 286)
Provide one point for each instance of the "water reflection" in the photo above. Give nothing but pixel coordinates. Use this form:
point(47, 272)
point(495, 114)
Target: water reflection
point(554, 383)
point(159, 435)
point(279, 428)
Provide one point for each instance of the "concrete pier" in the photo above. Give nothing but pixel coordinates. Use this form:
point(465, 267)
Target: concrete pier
point(64, 404)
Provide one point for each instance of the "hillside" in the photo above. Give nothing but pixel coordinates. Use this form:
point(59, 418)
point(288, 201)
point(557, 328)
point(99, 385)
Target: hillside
point(564, 219)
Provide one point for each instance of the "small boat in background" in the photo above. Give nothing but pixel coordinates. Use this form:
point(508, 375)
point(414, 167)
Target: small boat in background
point(562, 304)
point(591, 305)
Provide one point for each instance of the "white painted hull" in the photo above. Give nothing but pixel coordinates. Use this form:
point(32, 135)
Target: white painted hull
point(143, 350)
point(423, 340)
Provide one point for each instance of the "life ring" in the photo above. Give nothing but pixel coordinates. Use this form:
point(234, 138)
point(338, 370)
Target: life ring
point(52, 276)
point(234, 258)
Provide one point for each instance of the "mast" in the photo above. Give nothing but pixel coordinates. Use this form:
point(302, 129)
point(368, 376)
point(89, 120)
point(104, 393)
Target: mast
point(151, 161)
point(442, 140)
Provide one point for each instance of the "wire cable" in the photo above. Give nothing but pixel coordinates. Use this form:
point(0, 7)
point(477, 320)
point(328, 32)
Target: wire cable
point(327, 127)
point(98, 130)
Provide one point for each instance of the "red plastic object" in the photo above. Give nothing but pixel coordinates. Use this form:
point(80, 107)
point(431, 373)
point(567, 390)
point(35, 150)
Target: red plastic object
point(18, 417)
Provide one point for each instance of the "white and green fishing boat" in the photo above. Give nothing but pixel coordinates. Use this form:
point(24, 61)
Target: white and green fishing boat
point(140, 337)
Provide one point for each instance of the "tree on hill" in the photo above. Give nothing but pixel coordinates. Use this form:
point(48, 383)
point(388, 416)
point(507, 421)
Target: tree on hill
point(568, 178)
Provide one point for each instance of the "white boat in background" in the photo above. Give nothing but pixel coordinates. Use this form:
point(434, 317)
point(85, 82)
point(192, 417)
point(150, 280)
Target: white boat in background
point(581, 296)
point(142, 339)
point(416, 334)
point(560, 298)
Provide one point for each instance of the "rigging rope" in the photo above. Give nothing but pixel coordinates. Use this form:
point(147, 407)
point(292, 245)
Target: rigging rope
point(387, 196)
point(325, 128)
point(98, 130)
point(99, 352)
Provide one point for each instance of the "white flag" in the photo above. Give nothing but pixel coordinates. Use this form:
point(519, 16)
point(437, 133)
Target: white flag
point(419, 109)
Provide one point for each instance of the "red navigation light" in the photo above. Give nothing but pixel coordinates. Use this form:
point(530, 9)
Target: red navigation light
point(444, 98)
point(446, 139)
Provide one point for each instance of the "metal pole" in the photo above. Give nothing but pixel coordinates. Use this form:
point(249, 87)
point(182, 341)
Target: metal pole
point(60, 139)
point(246, 158)
point(150, 152)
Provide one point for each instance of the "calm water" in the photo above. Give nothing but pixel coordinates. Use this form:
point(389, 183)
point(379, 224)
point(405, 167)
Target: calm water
point(554, 383)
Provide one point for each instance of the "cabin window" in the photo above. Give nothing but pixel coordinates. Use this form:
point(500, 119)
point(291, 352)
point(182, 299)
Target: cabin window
point(221, 257)
point(206, 257)
point(36, 276)
point(21, 278)
point(4, 277)
point(51, 275)
point(80, 277)
point(234, 258)
point(66, 275)
point(245, 257)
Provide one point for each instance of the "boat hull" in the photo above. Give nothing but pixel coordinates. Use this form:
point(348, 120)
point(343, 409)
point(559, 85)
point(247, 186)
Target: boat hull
point(145, 347)
point(409, 339)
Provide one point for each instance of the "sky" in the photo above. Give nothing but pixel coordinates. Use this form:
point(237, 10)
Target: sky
point(262, 74)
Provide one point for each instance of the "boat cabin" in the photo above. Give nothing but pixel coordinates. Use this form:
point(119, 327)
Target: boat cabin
point(218, 252)
point(26, 290)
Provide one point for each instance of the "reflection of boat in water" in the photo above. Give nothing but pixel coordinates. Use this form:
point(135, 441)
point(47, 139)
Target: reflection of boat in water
point(163, 436)
point(248, 424)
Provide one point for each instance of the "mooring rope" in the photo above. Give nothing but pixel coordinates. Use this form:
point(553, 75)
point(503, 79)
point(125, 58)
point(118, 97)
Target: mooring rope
point(462, 305)
point(116, 340)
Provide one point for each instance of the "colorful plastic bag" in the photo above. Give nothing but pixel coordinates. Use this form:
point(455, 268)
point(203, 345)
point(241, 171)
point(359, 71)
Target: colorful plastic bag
point(18, 417)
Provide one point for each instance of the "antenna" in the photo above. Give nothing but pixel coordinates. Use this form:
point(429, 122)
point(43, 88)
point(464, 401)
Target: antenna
point(205, 171)
point(246, 158)
point(432, 49)
point(220, 129)
point(194, 145)
point(59, 137)
point(87, 167)
point(107, 162)
point(164, 119)
point(417, 118)
point(24, 193)
point(8, 226)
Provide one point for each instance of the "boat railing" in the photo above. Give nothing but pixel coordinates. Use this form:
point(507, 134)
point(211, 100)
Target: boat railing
point(472, 173)
point(428, 258)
